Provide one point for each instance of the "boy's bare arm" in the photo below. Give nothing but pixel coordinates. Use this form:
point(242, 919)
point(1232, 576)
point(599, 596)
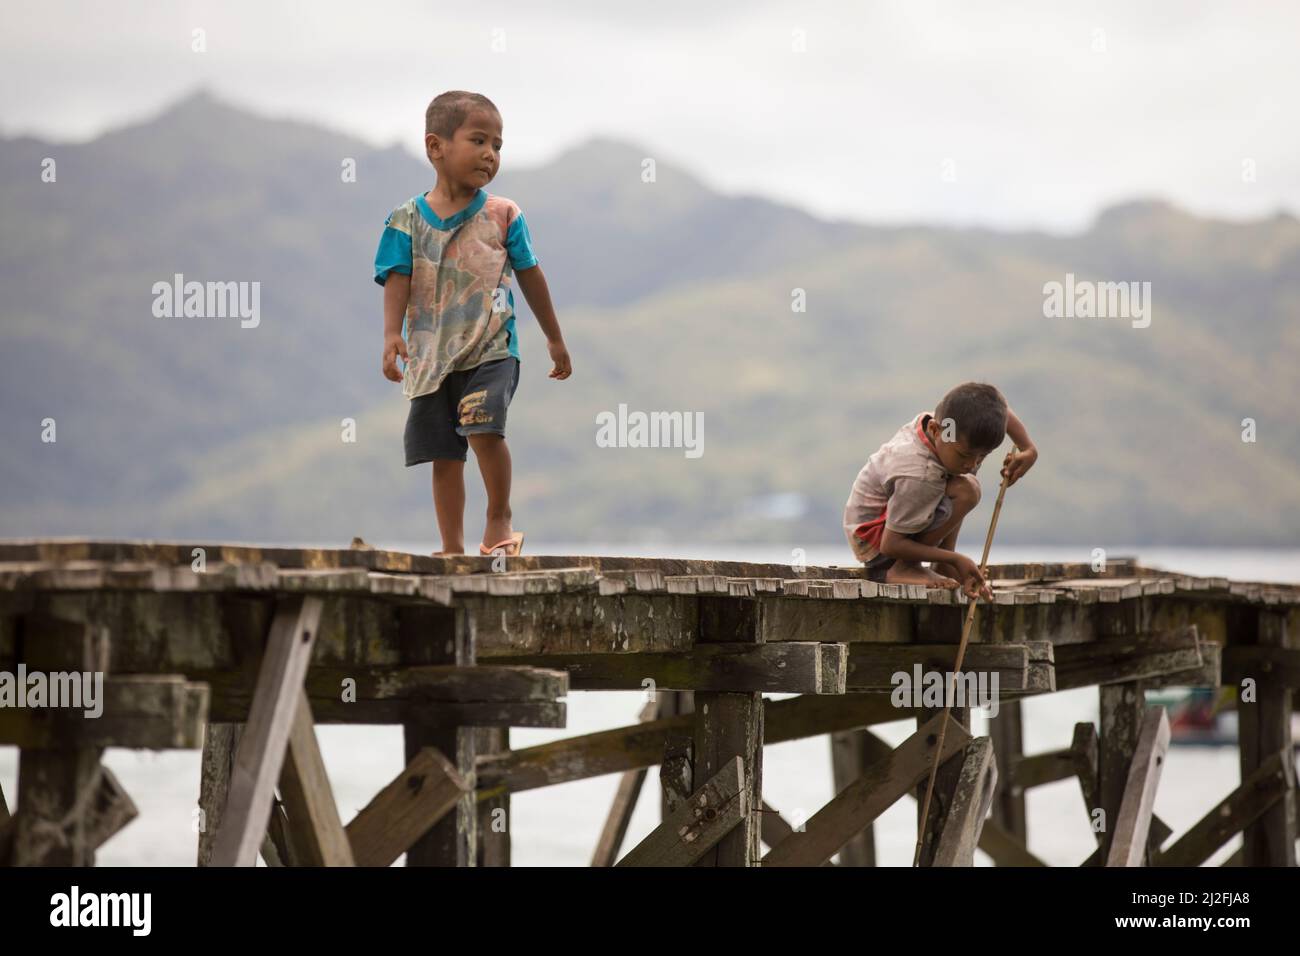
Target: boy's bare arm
point(397, 295)
point(532, 283)
point(1022, 459)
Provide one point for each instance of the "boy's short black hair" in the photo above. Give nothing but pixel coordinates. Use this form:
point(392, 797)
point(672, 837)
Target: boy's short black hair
point(979, 412)
point(448, 111)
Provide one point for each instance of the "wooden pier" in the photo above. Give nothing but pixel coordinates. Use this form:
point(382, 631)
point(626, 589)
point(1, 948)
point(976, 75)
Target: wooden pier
point(243, 650)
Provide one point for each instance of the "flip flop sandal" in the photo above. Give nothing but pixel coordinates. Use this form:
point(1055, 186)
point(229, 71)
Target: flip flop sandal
point(515, 541)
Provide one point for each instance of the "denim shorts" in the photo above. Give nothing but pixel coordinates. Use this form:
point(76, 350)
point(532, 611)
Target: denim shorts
point(470, 401)
point(877, 566)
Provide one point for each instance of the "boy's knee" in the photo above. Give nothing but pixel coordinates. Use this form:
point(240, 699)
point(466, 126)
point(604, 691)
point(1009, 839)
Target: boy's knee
point(964, 490)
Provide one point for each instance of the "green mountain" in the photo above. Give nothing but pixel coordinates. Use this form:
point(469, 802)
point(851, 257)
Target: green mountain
point(672, 297)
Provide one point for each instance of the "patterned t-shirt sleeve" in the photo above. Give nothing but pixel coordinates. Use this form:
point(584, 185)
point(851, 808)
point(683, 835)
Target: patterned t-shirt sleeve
point(394, 253)
point(520, 244)
point(912, 505)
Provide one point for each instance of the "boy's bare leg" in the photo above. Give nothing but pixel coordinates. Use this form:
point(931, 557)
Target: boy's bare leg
point(494, 464)
point(449, 503)
point(965, 493)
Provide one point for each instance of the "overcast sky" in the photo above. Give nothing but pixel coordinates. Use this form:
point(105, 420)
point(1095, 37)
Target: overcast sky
point(1001, 113)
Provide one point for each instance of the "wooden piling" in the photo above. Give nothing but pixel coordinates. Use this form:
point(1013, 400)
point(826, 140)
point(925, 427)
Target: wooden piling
point(1122, 709)
point(730, 726)
point(433, 635)
point(1006, 731)
point(57, 783)
point(851, 754)
point(1264, 729)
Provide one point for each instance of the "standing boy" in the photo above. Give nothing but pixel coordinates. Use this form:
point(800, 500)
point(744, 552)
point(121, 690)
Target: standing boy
point(445, 261)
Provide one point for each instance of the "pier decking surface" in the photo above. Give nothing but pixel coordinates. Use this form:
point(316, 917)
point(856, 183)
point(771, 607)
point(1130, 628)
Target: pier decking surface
point(197, 637)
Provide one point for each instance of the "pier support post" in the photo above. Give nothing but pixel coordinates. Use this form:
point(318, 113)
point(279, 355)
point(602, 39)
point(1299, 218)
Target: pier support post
point(57, 786)
point(946, 783)
point(1122, 708)
point(438, 635)
point(730, 725)
point(676, 779)
point(494, 813)
point(1007, 733)
point(220, 744)
point(851, 755)
point(1264, 731)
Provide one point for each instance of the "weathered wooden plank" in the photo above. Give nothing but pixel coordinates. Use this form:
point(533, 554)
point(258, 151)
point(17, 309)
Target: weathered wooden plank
point(790, 668)
point(696, 827)
point(1128, 845)
point(869, 796)
point(303, 581)
point(642, 745)
point(1145, 657)
point(145, 712)
point(873, 667)
point(404, 811)
point(775, 829)
point(1109, 590)
point(434, 682)
point(361, 630)
point(1004, 849)
point(314, 827)
point(647, 580)
point(968, 805)
point(620, 813)
point(133, 576)
point(262, 745)
point(1260, 791)
point(1039, 769)
point(1261, 662)
point(606, 585)
point(329, 710)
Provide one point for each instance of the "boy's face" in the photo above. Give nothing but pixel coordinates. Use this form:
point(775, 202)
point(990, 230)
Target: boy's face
point(473, 154)
point(956, 456)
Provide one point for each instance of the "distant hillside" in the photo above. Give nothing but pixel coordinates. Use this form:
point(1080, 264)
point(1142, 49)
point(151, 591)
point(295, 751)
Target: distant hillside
point(672, 297)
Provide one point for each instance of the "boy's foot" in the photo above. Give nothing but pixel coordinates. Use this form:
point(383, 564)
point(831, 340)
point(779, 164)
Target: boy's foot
point(447, 554)
point(945, 570)
point(510, 546)
point(905, 572)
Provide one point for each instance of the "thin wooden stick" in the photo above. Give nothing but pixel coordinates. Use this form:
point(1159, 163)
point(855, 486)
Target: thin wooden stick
point(961, 654)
